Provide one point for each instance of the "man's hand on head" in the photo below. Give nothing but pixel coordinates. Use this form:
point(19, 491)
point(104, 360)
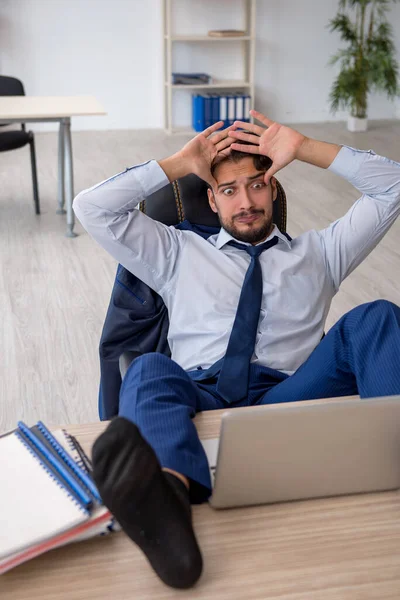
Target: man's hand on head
point(280, 143)
point(198, 154)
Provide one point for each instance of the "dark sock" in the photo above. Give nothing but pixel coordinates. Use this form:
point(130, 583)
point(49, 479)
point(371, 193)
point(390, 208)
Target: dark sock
point(152, 506)
point(181, 490)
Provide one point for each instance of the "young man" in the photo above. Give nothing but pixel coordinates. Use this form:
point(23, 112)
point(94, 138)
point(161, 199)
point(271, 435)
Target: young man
point(247, 309)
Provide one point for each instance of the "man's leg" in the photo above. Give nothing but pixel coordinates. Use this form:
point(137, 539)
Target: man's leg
point(359, 355)
point(154, 429)
point(161, 399)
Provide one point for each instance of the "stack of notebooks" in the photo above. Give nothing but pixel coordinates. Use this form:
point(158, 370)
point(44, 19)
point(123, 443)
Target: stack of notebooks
point(210, 108)
point(47, 495)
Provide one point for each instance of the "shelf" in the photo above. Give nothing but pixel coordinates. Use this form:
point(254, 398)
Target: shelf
point(207, 38)
point(206, 57)
point(212, 86)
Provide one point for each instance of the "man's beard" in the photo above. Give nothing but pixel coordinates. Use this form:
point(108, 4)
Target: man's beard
point(253, 235)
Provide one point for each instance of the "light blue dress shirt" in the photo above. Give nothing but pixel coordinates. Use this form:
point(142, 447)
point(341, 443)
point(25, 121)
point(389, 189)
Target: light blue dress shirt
point(200, 280)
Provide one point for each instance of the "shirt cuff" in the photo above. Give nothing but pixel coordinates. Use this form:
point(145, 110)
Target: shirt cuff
point(150, 176)
point(348, 161)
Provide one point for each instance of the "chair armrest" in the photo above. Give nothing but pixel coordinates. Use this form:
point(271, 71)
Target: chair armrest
point(125, 360)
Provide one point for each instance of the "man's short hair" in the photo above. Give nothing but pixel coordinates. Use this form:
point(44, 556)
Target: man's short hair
point(261, 162)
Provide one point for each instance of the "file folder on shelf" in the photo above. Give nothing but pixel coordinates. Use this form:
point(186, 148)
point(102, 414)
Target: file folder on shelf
point(210, 108)
point(198, 112)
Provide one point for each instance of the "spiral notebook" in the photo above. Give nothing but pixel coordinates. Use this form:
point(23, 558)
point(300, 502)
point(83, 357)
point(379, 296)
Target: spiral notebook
point(47, 497)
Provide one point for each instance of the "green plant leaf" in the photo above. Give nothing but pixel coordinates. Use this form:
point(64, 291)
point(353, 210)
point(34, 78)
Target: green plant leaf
point(368, 62)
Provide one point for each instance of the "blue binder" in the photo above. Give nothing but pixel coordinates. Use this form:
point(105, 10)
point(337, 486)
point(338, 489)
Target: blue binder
point(207, 110)
point(198, 113)
point(247, 104)
point(215, 108)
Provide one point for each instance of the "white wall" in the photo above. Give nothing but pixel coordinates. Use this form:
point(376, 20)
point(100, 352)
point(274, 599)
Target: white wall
point(293, 49)
point(113, 50)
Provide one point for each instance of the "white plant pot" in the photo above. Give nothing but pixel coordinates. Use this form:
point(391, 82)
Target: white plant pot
point(354, 124)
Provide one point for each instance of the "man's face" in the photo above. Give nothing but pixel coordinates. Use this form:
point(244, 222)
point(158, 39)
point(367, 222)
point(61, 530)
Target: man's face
point(243, 201)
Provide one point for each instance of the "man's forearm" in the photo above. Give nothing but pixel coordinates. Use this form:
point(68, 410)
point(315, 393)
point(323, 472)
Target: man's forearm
point(320, 154)
point(174, 166)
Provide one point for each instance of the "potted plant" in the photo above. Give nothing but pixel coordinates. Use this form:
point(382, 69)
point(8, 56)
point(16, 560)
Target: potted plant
point(368, 63)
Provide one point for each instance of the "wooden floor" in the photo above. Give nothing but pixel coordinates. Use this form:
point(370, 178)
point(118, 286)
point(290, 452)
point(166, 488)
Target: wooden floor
point(54, 291)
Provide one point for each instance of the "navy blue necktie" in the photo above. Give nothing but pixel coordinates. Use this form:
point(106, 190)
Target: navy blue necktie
point(234, 376)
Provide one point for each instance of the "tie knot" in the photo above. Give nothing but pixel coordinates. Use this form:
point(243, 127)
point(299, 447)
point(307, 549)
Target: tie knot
point(255, 251)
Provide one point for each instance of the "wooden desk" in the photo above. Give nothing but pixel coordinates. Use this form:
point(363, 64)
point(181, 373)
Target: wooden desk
point(24, 109)
point(344, 548)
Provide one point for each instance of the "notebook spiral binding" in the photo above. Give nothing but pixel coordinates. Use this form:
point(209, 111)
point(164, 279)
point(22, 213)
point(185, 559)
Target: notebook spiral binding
point(76, 467)
point(50, 473)
point(73, 446)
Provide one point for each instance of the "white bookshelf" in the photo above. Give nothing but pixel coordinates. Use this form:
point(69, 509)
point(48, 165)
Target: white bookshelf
point(221, 84)
point(246, 44)
point(207, 38)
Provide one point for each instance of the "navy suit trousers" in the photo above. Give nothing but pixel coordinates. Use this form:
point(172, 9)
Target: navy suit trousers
point(359, 355)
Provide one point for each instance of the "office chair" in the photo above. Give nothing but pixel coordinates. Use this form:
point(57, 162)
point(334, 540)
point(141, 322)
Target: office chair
point(11, 140)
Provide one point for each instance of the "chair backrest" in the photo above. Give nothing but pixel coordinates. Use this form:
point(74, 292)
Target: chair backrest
point(10, 86)
point(186, 198)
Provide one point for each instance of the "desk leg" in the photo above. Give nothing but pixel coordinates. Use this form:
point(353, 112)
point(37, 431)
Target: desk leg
point(61, 170)
point(69, 178)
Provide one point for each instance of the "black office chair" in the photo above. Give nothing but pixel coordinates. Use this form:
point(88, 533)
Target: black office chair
point(11, 140)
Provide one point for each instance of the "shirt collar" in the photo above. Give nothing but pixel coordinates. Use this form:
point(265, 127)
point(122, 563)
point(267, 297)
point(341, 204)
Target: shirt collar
point(224, 237)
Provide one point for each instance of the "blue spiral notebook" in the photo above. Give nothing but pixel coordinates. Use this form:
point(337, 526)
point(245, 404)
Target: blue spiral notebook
point(48, 497)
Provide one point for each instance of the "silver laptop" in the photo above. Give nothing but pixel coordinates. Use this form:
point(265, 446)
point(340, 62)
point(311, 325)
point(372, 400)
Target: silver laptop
point(282, 452)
